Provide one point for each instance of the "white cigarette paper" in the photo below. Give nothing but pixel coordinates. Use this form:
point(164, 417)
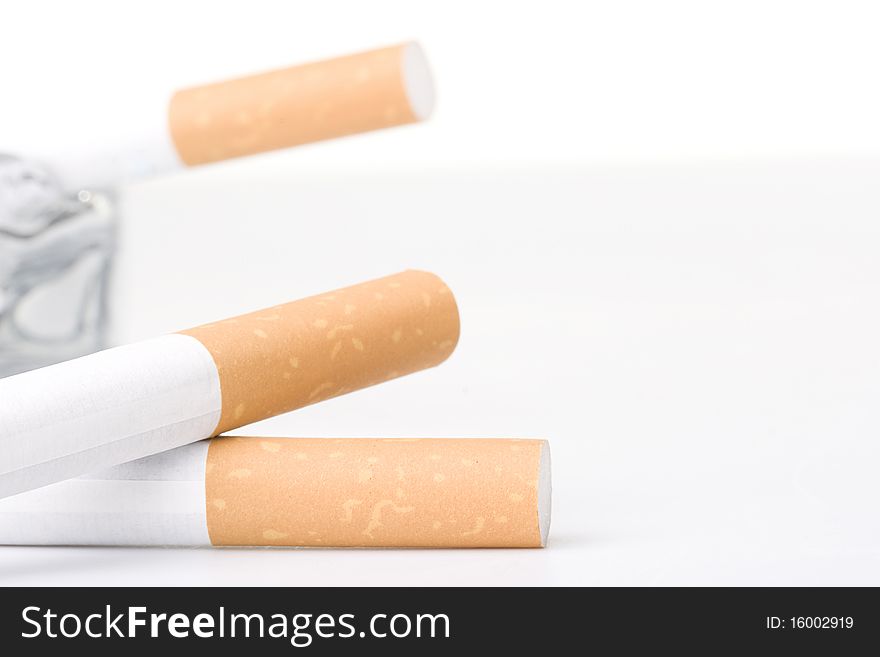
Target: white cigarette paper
point(159, 500)
point(114, 406)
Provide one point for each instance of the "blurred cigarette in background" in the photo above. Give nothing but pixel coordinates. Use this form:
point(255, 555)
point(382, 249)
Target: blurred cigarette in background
point(245, 116)
point(322, 492)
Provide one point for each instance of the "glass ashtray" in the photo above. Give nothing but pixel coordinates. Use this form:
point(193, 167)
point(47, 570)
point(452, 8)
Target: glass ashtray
point(56, 252)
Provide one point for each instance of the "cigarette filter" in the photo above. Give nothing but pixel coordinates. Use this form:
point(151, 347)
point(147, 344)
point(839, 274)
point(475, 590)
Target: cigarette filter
point(245, 116)
point(121, 404)
point(354, 492)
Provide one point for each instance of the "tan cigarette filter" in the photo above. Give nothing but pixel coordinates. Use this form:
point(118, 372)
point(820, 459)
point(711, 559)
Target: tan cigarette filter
point(332, 98)
point(441, 493)
point(289, 356)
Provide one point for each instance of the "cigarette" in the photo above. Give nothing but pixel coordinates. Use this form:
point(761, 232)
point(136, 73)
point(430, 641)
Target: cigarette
point(303, 492)
point(121, 404)
point(235, 118)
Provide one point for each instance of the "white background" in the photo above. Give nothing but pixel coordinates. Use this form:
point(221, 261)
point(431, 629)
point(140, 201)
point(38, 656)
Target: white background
point(660, 221)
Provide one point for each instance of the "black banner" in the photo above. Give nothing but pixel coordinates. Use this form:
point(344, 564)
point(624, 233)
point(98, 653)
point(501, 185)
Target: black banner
point(435, 621)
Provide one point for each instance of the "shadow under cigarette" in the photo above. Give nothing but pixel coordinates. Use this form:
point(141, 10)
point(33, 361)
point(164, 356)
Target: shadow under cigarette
point(64, 561)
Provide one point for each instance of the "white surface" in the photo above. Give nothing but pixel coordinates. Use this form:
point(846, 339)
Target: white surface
point(104, 409)
point(698, 343)
point(590, 81)
point(159, 500)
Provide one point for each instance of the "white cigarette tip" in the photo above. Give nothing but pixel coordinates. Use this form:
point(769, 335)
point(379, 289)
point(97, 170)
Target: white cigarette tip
point(418, 81)
point(544, 493)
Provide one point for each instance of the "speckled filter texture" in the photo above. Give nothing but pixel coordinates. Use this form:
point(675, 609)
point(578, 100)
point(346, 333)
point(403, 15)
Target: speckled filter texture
point(289, 107)
point(364, 492)
point(289, 356)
